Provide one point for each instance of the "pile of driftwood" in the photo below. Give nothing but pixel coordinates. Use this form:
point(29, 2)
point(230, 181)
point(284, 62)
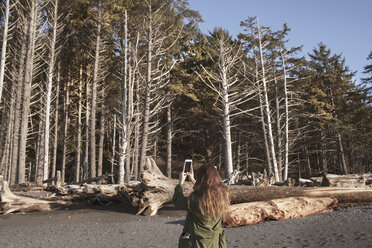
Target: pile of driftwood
point(249, 204)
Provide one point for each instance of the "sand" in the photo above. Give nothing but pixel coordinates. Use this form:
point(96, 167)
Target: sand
point(115, 227)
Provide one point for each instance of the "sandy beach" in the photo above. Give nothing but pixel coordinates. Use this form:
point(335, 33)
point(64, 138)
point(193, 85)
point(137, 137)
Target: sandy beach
point(115, 227)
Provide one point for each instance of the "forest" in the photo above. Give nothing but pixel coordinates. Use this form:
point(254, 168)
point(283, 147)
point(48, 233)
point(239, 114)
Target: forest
point(94, 87)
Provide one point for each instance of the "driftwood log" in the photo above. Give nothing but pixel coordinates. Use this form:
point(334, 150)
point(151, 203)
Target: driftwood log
point(10, 202)
point(277, 209)
point(350, 180)
point(158, 191)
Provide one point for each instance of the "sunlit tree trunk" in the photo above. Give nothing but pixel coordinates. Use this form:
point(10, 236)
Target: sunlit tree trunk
point(55, 141)
point(101, 137)
point(113, 150)
point(342, 154)
point(93, 172)
point(79, 126)
point(27, 81)
point(169, 140)
point(66, 107)
point(17, 109)
point(87, 131)
point(146, 111)
point(267, 109)
point(4, 46)
point(286, 120)
point(50, 77)
point(278, 126)
point(124, 138)
point(263, 126)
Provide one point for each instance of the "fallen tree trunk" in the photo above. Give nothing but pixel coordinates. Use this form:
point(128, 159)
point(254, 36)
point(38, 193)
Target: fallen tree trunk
point(278, 209)
point(106, 189)
point(11, 203)
point(158, 190)
point(350, 180)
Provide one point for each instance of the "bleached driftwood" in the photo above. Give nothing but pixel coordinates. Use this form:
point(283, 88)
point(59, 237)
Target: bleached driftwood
point(277, 209)
point(10, 202)
point(158, 191)
point(350, 180)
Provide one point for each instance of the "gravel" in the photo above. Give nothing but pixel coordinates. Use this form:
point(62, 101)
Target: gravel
point(114, 227)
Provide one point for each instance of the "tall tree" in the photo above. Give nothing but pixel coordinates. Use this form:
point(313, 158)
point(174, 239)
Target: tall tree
point(4, 46)
point(50, 76)
point(27, 81)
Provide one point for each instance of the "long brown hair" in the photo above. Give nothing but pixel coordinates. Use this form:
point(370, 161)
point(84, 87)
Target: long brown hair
point(213, 193)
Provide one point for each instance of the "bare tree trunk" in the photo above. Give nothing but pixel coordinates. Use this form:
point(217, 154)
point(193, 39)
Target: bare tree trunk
point(246, 157)
point(79, 125)
point(4, 46)
point(136, 146)
point(146, 110)
point(323, 153)
point(124, 141)
point(40, 151)
point(128, 169)
point(156, 148)
point(266, 144)
point(226, 121)
point(65, 128)
point(238, 152)
point(87, 131)
point(267, 110)
point(308, 164)
point(28, 73)
point(342, 154)
point(278, 127)
point(55, 142)
point(6, 152)
point(94, 96)
point(169, 140)
point(113, 151)
point(17, 110)
point(286, 121)
point(101, 139)
point(49, 90)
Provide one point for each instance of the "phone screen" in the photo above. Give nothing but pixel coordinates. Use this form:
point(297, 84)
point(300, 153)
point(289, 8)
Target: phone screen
point(188, 166)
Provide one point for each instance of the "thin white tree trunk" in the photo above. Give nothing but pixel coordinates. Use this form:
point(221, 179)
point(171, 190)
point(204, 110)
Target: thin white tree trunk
point(94, 96)
point(87, 131)
point(264, 132)
point(278, 126)
point(78, 147)
point(4, 160)
point(267, 109)
point(49, 91)
point(4, 46)
point(113, 151)
point(28, 73)
point(226, 121)
point(124, 141)
point(342, 154)
point(55, 142)
point(128, 169)
point(101, 138)
point(146, 110)
point(286, 122)
point(17, 111)
point(169, 140)
point(65, 129)
point(238, 152)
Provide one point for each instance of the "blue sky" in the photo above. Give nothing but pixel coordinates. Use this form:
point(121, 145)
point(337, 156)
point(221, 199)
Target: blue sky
point(345, 26)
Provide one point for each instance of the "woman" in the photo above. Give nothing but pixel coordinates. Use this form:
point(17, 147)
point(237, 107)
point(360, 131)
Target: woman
point(205, 208)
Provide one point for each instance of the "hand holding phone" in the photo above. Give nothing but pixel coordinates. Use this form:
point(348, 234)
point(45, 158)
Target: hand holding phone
point(187, 166)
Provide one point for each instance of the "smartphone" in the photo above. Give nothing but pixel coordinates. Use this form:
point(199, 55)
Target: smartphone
point(188, 164)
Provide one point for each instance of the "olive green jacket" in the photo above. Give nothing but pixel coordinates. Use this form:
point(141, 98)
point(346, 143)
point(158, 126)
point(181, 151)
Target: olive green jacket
point(203, 232)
